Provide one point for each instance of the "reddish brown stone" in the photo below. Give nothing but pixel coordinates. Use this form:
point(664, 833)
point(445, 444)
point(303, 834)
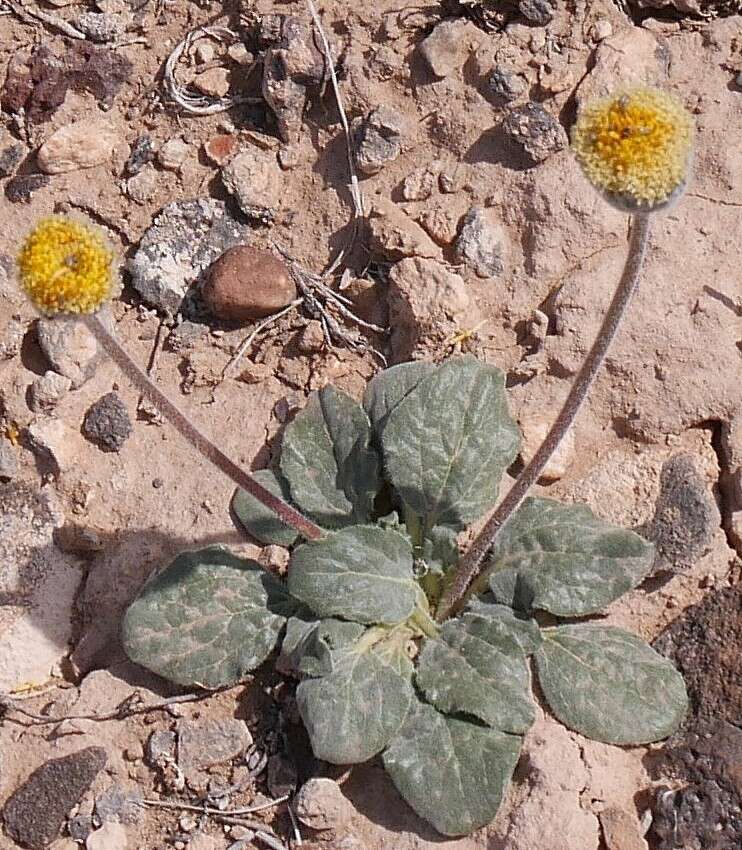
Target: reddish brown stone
point(220, 149)
point(247, 283)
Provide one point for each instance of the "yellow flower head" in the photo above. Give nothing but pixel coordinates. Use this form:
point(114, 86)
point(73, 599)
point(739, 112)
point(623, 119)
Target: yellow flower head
point(635, 147)
point(65, 266)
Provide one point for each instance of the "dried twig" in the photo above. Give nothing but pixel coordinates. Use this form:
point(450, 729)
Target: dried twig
point(30, 14)
point(355, 189)
point(208, 810)
point(126, 709)
point(258, 329)
point(199, 104)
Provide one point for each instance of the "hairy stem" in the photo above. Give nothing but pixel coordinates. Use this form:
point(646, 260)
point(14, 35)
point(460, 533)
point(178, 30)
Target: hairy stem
point(469, 566)
point(196, 438)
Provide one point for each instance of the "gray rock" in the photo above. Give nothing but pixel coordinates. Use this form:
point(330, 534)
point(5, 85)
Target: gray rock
point(537, 11)
point(685, 516)
point(12, 339)
point(100, 27)
point(321, 805)
point(292, 64)
point(119, 803)
point(8, 461)
point(204, 743)
point(378, 139)
point(141, 154)
point(536, 132)
point(10, 158)
point(107, 423)
point(282, 775)
point(256, 180)
point(80, 827)
point(186, 237)
point(506, 85)
point(160, 748)
point(481, 243)
point(47, 391)
point(69, 347)
point(35, 812)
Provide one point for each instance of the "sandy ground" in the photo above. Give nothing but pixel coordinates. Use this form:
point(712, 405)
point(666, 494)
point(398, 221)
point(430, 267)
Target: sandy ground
point(671, 385)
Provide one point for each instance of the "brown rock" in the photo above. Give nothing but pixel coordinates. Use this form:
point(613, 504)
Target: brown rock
point(83, 144)
point(220, 149)
point(247, 283)
point(321, 805)
point(34, 814)
point(214, 82)
point(621, 830)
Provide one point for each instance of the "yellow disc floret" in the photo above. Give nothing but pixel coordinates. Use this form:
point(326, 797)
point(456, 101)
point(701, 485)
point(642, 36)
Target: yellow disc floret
point(635, 147)
point(65, 266)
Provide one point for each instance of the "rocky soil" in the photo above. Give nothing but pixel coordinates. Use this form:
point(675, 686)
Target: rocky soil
point(469, 228)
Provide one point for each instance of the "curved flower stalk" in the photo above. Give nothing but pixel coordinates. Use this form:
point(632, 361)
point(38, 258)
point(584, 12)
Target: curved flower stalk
point(66, 266)
point(635, 148)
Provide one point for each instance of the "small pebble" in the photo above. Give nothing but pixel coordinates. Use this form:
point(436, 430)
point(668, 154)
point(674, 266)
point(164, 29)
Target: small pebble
point(537, 11)
point(83, 144)
point(214, 82)
point(247, 283)
point(107, 423)
point(141, 154)
point(534, 130)
point(8, 461)
point(378, 139)
point(173, 154)
point(157, 483)
point(220, 149)
point(47, 391)
point(11, 158)
point(506, 85)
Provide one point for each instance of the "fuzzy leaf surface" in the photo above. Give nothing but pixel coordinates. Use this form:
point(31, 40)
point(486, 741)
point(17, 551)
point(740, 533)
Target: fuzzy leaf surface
point(352, 712)
point(523, 630)
point(259, 520)
point(447, 443)
point(563, 559)
point(452, 772)
point(207, 620)
point(609, 685)
point(388, 388)
point(361, 573)
point(328, 461)
point(475, 668)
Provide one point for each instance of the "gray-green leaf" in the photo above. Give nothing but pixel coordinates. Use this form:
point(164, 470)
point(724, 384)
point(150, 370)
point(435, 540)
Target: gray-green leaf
point(259, 520)
point(476, 668)
point(609, 685)
point(361, 573)
point(388, 388)
point(207, 620)
point(329, 639)
point(563, 559)
point(328, 461)
point(523, 630)
point(447, 443)
point(452, 772)
point(352, 713)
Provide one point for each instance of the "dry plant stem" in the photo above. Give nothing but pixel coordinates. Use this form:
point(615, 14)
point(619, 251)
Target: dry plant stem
point(469, 566)
point(198, 440)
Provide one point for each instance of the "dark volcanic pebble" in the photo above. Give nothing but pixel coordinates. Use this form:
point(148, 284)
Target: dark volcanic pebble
point(107, 423)
point(34, 814)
